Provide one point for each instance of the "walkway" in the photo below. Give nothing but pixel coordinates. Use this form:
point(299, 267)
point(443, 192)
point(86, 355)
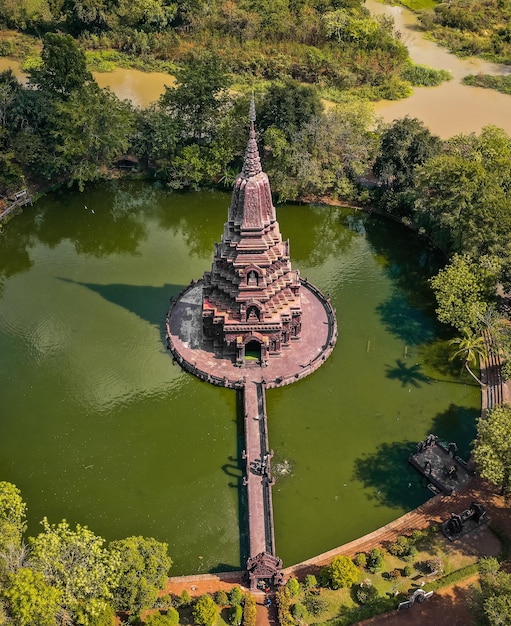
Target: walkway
point(495, 392)
point(19, 199)
point(258, 478)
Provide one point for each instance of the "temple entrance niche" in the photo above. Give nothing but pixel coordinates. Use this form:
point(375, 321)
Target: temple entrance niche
point(253, 351)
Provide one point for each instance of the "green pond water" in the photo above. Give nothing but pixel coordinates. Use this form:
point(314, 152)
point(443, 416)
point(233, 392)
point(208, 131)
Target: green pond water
point(99, 427)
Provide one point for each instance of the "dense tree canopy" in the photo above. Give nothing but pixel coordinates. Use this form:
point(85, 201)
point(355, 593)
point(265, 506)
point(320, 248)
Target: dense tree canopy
point(342, 572)
point(463, 290)
point(31, 600)
point(143, 569)
point(405, 144)
point(63, 67)
point(78, 565)
point(492, 451)
point(12, 516)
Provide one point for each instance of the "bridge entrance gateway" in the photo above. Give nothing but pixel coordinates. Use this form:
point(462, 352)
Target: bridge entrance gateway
point(252, 323)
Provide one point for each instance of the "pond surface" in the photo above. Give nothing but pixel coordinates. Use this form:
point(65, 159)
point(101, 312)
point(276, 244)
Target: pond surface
point(99, 427)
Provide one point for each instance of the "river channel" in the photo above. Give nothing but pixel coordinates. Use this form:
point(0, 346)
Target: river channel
point(447, 110)
point(99, 427)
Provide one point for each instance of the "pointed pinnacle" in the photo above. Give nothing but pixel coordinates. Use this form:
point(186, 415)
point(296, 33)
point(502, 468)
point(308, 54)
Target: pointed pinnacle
point(252, 111)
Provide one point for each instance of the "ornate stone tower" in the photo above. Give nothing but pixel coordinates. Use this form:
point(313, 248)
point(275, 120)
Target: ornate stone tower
point(251, 305)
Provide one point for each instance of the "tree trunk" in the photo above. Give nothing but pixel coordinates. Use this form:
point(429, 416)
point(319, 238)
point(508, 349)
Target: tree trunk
point(472, 374)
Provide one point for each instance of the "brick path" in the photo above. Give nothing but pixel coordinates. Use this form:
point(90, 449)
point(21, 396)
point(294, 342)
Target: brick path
point(258, 474)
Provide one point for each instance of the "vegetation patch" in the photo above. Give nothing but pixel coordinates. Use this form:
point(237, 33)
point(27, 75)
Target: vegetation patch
point(499, 83)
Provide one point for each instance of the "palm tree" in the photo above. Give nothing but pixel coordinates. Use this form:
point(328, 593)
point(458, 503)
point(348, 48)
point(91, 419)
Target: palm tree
point(471, 348)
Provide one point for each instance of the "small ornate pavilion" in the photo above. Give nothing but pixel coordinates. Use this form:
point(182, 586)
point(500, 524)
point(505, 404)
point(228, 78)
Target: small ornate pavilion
point(251, 306)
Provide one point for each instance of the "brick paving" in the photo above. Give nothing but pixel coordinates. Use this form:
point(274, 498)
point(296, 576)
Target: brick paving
point(258, 474)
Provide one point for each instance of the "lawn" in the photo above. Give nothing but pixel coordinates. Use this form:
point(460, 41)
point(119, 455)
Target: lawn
point(429, 559)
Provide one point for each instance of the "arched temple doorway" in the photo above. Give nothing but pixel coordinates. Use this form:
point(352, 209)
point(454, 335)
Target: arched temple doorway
point(253, 351)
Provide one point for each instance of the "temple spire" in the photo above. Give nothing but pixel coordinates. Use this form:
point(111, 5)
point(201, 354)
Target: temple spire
point(252, 162)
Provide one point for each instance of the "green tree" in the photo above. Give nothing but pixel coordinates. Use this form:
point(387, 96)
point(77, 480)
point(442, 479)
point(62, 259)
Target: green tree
point(327, 156)
point(169, 618)
point(463, 205)
point(221, 598)
point(199, 96)
point(294, 586)
point(12, 516)
point(235, 596)
point(492, 601)
point(205, 611)
point(92, 127)
point(30, 599)
point(342, 572)
point(143, 570)
point(471, 349)
point(405, 144)
point(249, 610)
point(310, 582)
point(63, 68)
point(464, 289)
point(25, 14)
point(375, 560)
point(288, 106)
point(77, 564)
point(236, 615)
point(492, 450)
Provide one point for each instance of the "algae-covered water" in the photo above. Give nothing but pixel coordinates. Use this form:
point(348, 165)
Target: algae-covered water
point(97, 426)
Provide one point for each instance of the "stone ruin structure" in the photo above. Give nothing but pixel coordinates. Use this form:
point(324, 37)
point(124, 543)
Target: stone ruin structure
point(251, 297)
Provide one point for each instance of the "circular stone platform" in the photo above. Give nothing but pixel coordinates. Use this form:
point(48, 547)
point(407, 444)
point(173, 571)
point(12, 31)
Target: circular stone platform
point(184, 340)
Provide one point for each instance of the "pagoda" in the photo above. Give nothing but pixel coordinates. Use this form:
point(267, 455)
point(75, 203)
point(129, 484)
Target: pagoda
point(251, 306)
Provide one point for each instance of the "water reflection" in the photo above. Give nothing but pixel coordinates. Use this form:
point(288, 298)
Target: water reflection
point(96, 223)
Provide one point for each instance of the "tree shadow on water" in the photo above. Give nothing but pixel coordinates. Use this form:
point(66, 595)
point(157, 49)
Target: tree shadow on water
point(405, 322)
point(457, 424)
point(388, 478)
point(407, 374)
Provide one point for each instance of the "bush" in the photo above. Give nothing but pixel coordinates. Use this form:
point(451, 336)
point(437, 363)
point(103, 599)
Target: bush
point(235, 596)
point(185, 598)
point(408, 570)
point(298, 611)
point(235, 615)
point(400, 547)
point(375, 560)
point(452, 578)
point(221, 598)
point(422, 76)
point(249, 610)
point(393, 574)
point(314, 604)
point(505, 369)
point(411, 555)
point(170, 618)
point(205, 611)
point(310, 582)
point(343, 572)
point(366, 593)
point(294, 586)
point(360, 559)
